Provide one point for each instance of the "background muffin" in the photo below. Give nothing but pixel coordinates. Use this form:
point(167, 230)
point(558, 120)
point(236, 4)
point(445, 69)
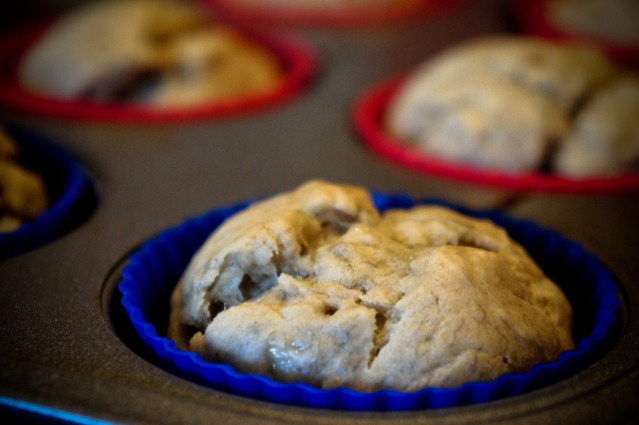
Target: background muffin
point(510, 103)
point(153, 53)
point(23, 194)
point(45, 193)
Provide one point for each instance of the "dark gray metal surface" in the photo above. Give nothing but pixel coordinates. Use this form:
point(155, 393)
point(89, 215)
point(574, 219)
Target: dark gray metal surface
point(65, 346)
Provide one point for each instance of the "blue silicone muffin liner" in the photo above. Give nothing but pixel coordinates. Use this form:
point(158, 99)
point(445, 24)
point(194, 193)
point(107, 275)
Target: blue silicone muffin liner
point(69, 188)
point(155, 268)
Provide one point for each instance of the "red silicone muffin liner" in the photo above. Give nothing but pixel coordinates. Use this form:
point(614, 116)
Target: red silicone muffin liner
point(298, 61)
point(327, 16)
point(531, 17)
point(368, 116)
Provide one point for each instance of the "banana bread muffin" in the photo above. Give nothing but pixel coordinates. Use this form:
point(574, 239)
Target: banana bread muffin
point(317, 286)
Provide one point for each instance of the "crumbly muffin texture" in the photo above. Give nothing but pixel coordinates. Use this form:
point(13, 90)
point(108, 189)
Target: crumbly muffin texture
point(512, 103)
point(317, 286)
point(158, 53)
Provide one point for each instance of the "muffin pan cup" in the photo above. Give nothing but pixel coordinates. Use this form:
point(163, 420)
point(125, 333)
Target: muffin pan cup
point(69, 188)
point(369, 111)
point(154, 270)
point(297, 58)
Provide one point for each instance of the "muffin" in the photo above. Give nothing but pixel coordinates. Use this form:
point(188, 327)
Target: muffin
point(514, 104)
point(152, 53)
point(23, 194)
point(317, 286)
point(149, 278)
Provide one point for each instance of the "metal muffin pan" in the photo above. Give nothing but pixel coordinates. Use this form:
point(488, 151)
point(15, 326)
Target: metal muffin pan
point(67, 351)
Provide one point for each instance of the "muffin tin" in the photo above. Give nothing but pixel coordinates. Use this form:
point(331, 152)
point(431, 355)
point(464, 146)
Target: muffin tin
point(68, 351)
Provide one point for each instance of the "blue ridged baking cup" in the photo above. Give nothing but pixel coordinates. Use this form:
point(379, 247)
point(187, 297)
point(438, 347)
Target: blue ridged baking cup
point(154, 269)
point(67, 184)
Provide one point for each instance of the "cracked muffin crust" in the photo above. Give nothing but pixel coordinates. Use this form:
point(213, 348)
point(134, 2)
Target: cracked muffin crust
point(315, 285)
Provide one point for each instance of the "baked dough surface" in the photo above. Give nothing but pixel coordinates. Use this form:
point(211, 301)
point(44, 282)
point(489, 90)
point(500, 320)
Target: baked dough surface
point(315, 285)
